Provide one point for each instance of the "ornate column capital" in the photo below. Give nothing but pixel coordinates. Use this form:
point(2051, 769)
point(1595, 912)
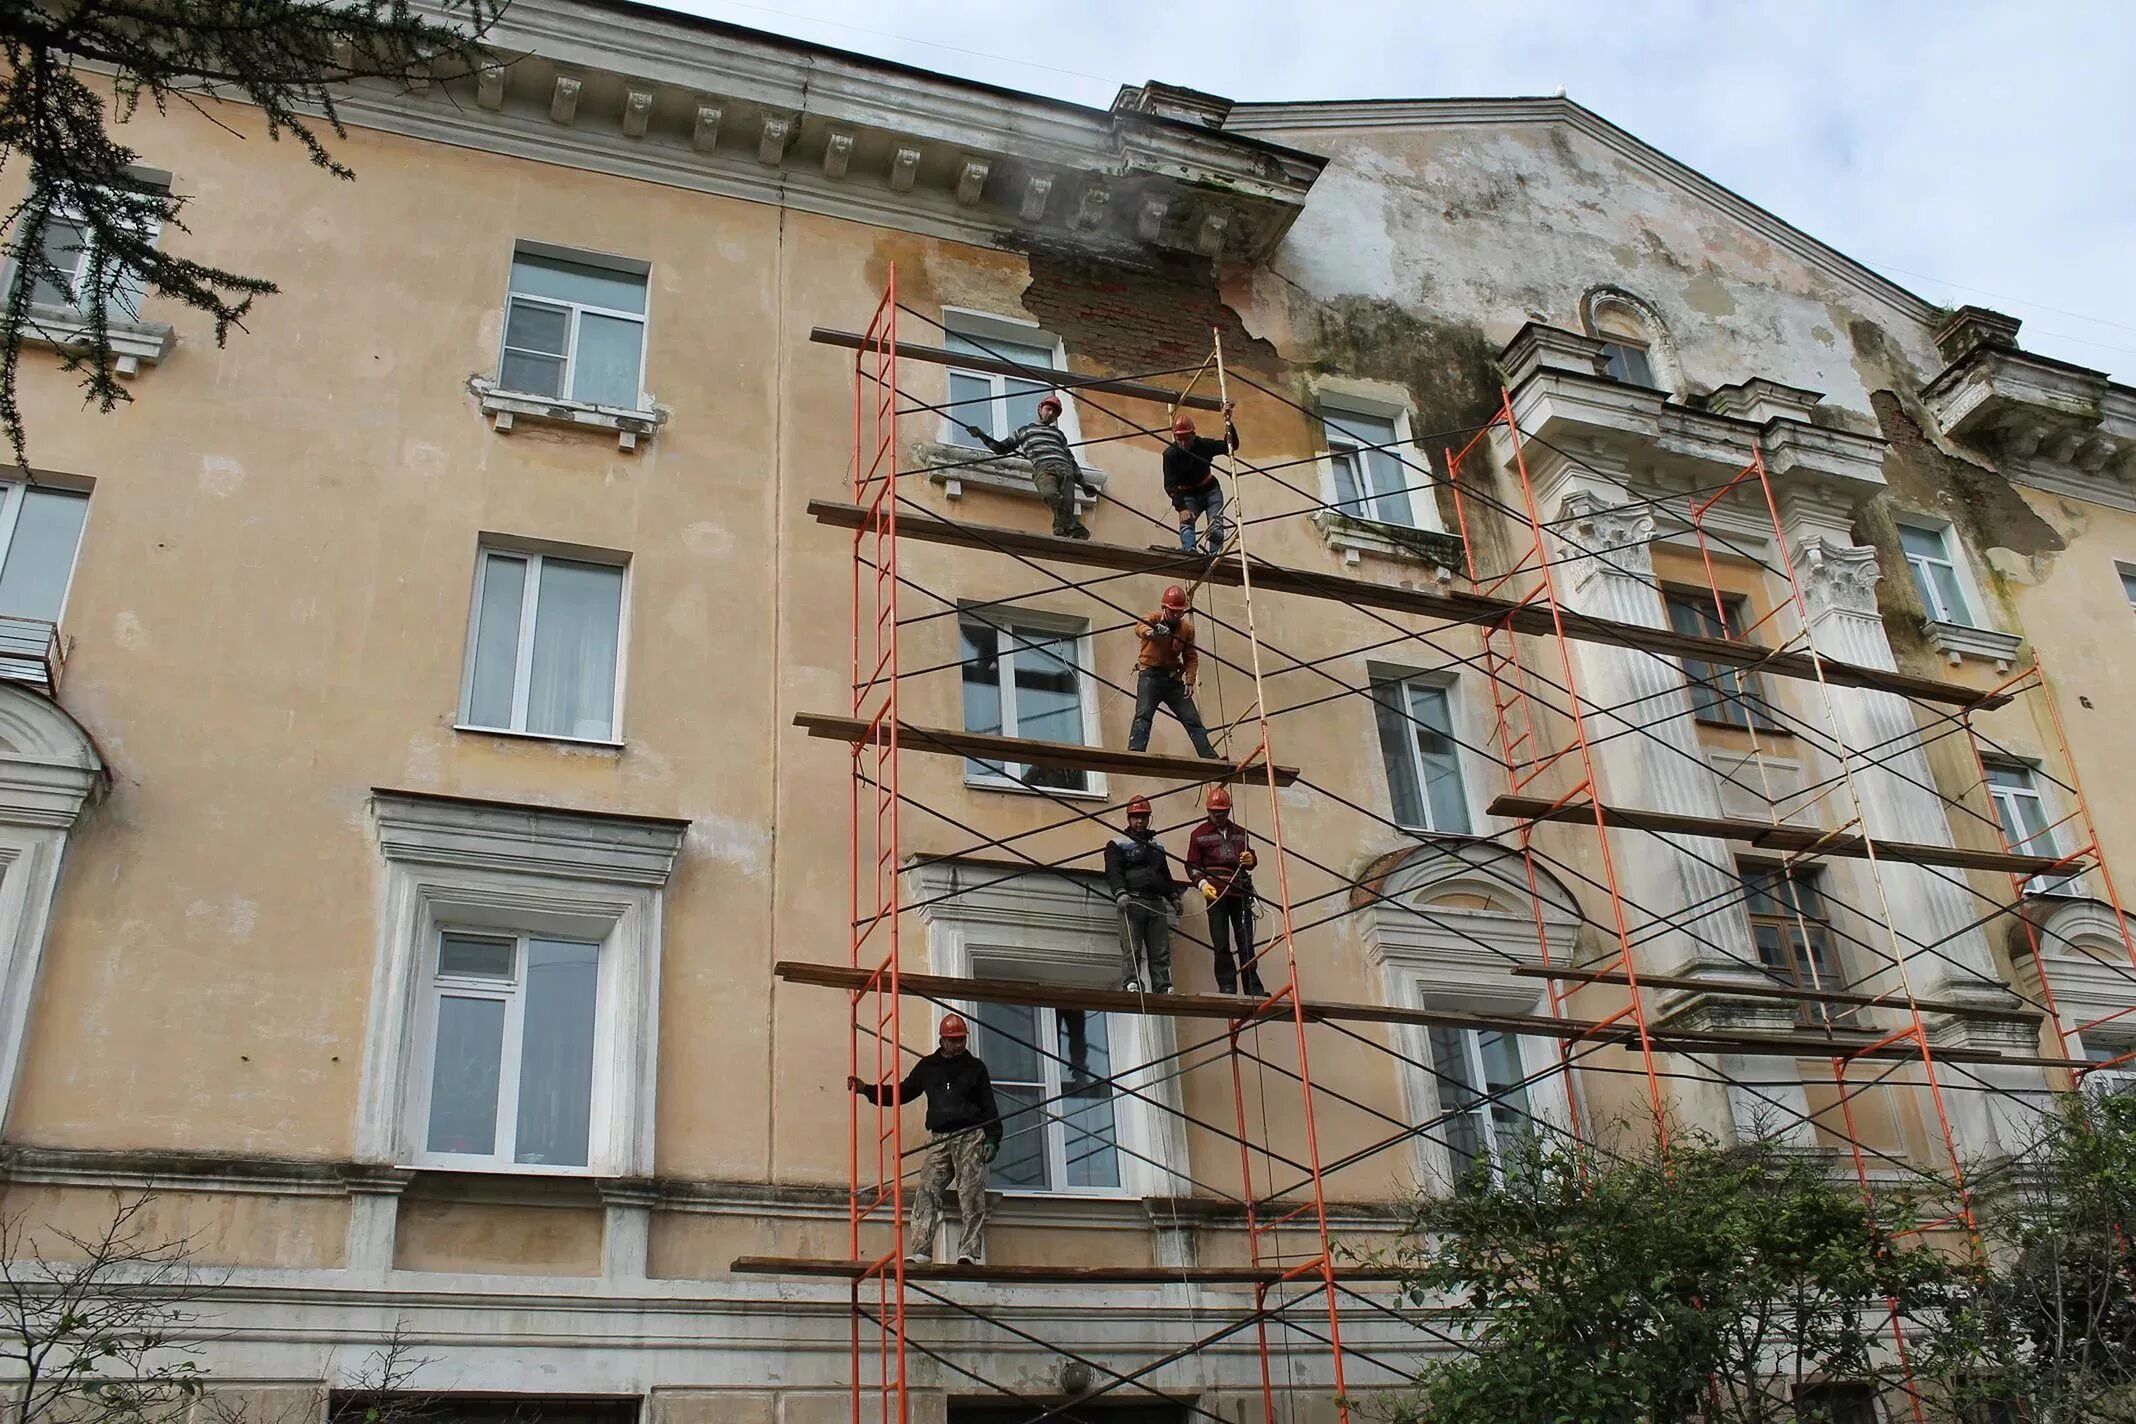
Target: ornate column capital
point(1836, 577)
point(1599, 537)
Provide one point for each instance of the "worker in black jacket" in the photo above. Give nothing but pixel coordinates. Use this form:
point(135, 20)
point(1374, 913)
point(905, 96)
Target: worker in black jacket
point(1190, 478)
point(1147, 897)
point(965, 1135)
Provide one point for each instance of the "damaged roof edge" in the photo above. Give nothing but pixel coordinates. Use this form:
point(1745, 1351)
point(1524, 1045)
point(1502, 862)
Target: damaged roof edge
point(1415, 113)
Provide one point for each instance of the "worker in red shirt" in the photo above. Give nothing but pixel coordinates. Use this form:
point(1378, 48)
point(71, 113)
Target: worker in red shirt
point(1220, 863)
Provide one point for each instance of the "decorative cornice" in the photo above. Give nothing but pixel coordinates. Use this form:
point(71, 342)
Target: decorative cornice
point(676, 99)
point(1600, 537)
point(1506, 113)
point(1836, 577)
point(1958, 641)
point(422, 829)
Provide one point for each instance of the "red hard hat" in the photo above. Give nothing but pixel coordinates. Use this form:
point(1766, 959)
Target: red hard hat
point(1220, 800)
point(953, 1027)
point(1049, 399)
point(1175, 597)
point(1183, 426)
point(1138, 805)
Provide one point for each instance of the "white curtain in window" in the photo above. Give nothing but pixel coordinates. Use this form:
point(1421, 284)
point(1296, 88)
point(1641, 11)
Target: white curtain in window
point(605, 371)
point(577, 621)
point(556, 1054)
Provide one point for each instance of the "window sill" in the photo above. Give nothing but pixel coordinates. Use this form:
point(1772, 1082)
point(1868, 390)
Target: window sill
point(1017, 788)
point(1355, 537)
point(132, 342)
point(596, 743)
point(1041, 1194)
point(1957, 642)
point(955, 466)
point(1761, 728)
point(445, 1168)
point(504, 408)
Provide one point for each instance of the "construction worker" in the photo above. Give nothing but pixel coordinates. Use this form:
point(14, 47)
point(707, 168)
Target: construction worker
point(965, 1135)
point(1220, 864)
point(1053, 466)
point(1147, 897)
point(1166, 672)
point(1190, 478)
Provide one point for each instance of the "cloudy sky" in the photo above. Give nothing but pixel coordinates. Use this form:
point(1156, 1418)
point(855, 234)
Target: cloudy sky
point(1974, 152)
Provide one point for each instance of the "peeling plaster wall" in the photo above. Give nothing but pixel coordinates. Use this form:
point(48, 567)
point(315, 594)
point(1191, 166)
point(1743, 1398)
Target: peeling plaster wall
point(1480, 228)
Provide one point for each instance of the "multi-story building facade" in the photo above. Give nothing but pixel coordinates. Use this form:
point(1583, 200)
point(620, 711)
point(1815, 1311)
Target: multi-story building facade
point(401, 849)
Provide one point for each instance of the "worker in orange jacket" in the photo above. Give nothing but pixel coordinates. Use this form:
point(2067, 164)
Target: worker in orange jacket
point(1166, 672)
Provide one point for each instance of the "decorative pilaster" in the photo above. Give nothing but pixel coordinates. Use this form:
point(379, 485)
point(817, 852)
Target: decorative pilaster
point(374, 1219)
point(626, 1227)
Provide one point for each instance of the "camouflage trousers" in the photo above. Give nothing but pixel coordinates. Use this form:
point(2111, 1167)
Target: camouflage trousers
point(1057, 487)
point(958, 1157)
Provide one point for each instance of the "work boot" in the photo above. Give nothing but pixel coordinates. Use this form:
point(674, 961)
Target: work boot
point(1131, 984)
point(1080, 531)
point(1253, 987)
point(1227, 986)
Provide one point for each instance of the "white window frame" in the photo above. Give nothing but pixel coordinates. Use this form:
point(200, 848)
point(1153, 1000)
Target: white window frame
point(1054, 1130)
point(2127, 571)
point(12, 493)
point(1332, 406)
point(513, 994)
point(133, 282)
point(1458, 958)
point(502, 868)
point(1464, 734)
point(2005, 799)
point(1968, 616)
point(1094, 788)
point(985, 327)
point(1471, 1041)
point(623, 266)
point(1063, 929)
point(522, 671)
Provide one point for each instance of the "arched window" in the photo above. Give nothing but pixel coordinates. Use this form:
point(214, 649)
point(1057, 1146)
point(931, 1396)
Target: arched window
point(1635, 345)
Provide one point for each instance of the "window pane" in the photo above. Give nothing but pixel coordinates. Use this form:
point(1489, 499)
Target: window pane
point(1049, 699)
point(33, 582)
point(982, 688)
point(970, 404)
point(464, 1075)
point(1440, 758)
point(1006, 1040)
point(1088, 1126)
point(1349, 428)
point(1503, 1077)
point(1460, 1127)
point(578, 611)
point(1952, 597)
point(532, 375)
point(556, 1054)
point(489, 697)
point(2128, 586)
point(1921, 543)
point(1390, 486)
point(577, 282)
point(1629, 364)
point(1349, 492)
point(533, 327)
point(1023, 353)
point(477, 956)
point(1395, 741)
point(1022, 1162)
point(605, 368)
point(65, 247)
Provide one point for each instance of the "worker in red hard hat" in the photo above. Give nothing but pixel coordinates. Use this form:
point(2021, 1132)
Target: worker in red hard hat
point(965, 1134)
point(1053, 468)
point(1220, 861)
point(1147, 897)
point(1190, 478)
point(1166, 672)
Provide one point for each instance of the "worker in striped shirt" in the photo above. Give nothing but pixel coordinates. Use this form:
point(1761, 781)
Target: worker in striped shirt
point(1053, 466)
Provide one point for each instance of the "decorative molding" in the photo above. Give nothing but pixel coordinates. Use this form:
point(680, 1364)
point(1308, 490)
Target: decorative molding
point(420, 829)
point(1149, 222)
point(1598, 537)
point(1357, 114)
point(904, 168)
point(564, 98)
point(1090, 207)
point(771, 139)
point(1958, 641)
point(489, 86)
point(955, 466)
point(1353, 537)
point(506, 408)
point(1037, 189)
point(837, 155)
point(704, 129)
point(637, 111)
point(132, 342)
point(1837, 578)
point(971, 181)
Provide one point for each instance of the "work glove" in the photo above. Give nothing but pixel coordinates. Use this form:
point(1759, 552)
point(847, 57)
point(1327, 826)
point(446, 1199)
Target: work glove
point(1120, 900)
point(1248, 860)
point(1209, 892)
point(975, 432)
point(993, 1150)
